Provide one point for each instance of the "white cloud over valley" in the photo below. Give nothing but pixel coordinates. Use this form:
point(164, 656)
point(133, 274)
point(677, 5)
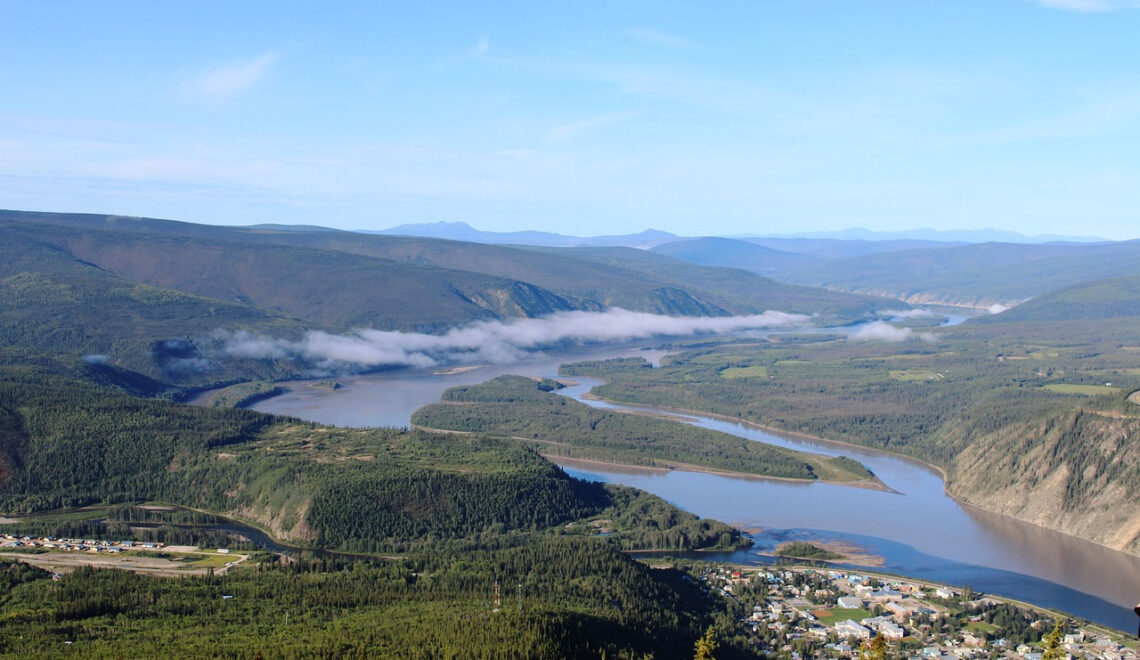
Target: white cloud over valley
point(883, 331)
point(486, 341)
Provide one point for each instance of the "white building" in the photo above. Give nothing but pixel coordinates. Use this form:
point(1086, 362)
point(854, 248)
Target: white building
point(850, 602)
point(850, 628)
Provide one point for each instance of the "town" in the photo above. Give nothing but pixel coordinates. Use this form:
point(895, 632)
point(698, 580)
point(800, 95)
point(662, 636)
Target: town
point(75, 545)
point(803, 612)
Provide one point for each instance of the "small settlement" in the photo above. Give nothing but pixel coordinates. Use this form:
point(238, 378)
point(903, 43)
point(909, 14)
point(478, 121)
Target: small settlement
point(75, 545)
point(802, 612)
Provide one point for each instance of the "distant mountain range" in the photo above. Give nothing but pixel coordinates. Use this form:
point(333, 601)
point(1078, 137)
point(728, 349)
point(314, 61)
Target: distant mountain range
point(936, 235)
point(461, 231)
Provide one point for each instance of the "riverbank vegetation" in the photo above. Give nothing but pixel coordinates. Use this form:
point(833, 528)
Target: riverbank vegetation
point(804, 550)
point(526, 409)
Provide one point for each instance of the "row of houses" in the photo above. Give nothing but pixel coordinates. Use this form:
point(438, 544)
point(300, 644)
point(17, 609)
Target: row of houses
point(76, 545)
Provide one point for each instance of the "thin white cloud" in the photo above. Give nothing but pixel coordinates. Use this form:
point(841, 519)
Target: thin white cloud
point(520, 152)
point(1089, 5)
point(233, 78)
point(575, 129)
point(654, 37)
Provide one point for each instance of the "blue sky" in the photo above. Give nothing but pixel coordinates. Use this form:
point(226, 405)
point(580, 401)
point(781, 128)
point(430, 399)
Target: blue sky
point(582, 118)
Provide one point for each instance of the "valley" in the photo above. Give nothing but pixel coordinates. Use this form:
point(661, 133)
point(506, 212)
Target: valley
point(915, 525)
point(624, 331)
point(396, 435)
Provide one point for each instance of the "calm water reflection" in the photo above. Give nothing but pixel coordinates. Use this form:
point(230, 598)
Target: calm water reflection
point(917, 528)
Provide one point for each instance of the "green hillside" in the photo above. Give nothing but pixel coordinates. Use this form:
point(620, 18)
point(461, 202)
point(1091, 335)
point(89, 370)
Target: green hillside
point(466, 513)
point(54, 304)
point(326, 288)
point(498, 280)
point(978, 274)
point(1102, 299)
point(739, 290)
point(613, 277)
point(65, 443)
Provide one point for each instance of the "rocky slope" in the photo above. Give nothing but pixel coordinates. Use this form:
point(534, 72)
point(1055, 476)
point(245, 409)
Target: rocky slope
point(1077, 472)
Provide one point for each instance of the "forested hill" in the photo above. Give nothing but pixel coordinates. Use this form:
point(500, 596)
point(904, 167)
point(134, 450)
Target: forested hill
point(323, 288)
point(57, 307)
point(1101, 299)
point(978, 274)
point(550, 279)
point(65, 443)
point(464, 514)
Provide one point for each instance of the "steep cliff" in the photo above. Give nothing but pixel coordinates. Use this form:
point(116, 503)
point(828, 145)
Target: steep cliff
point(1077, 472)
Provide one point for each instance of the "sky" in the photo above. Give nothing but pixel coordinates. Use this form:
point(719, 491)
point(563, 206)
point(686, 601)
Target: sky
point(584, 118)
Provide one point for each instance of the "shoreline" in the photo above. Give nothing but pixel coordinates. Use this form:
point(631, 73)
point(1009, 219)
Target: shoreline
point(775, 430)
point(666, 466)
point(685, 467)
point(671, 466)
point(853, 555)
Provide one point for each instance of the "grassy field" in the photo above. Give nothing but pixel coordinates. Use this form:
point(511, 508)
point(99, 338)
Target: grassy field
point(1083, 390)
point(914, 374)
point(756, 371)
point(842, 613)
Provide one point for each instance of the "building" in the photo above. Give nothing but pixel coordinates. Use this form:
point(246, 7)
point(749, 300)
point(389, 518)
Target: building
point(850, 628)
point(850, 602)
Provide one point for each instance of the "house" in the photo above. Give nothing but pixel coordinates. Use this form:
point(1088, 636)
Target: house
point(891, 630)
point(943, 592)
point(850, 602)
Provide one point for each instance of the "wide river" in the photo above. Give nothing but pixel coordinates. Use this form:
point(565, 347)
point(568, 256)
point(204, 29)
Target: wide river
point(918, 530)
